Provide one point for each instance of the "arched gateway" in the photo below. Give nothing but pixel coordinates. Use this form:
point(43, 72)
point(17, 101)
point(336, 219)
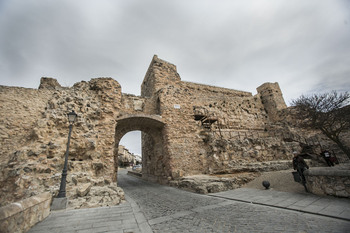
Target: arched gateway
point(152, 127)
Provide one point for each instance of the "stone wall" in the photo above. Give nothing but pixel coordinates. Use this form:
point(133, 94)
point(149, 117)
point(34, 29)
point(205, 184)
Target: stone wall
point(22, 215)
point(333, 181)
point(21, 110)
point(199, 118)
point(187, 129)
point(34, 135)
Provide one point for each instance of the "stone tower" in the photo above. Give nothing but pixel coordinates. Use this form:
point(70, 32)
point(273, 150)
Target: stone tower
point(159, 74)
point(272, 99)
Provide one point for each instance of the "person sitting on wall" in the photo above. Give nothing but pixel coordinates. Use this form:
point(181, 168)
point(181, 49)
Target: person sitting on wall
point(300, 165)
point(328, 157)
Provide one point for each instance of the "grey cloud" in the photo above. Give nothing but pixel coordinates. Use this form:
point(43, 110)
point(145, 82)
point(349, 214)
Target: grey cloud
point(231, 44)
point(303, 45)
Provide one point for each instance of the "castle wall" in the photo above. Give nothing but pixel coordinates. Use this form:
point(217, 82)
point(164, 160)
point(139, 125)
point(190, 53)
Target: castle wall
point(234, 109)
point(193, 148)
point(35, 133)
point(21, 111)
point(187, 128)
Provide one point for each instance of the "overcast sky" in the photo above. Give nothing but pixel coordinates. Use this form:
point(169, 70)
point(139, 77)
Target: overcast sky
point(302, 45)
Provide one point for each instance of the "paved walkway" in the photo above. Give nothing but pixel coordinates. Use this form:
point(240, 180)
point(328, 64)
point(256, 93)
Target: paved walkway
point(308, 203)
point(124, 218)
point(128, 217)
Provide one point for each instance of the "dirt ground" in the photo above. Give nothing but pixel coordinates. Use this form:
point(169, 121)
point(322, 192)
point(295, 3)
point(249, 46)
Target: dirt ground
point(279, 181)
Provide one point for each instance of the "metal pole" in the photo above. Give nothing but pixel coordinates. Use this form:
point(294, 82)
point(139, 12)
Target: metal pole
point(62, 192)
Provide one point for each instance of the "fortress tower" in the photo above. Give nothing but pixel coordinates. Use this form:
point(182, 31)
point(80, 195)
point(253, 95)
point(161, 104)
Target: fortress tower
point(159, 74)
point(272, 99)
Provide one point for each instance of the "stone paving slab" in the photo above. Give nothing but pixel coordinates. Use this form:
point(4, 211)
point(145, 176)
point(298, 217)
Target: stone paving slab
point(240, 210)
point(308, 203)
point(123, 218)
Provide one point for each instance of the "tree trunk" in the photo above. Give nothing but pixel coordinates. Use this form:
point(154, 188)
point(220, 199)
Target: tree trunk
point(336, 139)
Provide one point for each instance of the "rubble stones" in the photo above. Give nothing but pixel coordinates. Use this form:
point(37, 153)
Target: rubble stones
point(108, 195)
point(215, 183)
point(83, 189)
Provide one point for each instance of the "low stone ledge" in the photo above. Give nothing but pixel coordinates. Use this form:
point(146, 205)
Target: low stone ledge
point(21, 216)
point(257, 167)
point(328, 171)
point(205, 184)
point(334, 181)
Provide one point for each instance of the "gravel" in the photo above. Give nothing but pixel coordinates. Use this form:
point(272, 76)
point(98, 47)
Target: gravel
point(279, 181)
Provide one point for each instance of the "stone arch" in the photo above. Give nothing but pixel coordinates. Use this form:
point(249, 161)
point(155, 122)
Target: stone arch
point(151, 127)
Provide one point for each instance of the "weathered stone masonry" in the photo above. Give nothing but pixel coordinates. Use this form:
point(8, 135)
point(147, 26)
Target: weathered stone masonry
point(189, 143)
point(187, 129)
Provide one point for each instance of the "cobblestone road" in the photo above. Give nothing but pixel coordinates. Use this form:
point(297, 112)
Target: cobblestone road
point(171, 210)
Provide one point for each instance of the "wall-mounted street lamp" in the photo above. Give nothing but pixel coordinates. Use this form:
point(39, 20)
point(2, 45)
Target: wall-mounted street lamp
point(62, 193)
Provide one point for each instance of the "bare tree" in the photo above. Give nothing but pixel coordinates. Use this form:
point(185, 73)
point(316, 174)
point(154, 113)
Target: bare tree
point(329, 112)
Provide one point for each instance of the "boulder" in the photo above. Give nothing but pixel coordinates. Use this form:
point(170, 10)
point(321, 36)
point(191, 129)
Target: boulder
point(83, 189)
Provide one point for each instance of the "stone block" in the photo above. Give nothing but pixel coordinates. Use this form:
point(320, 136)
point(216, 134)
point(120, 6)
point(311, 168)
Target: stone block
point(22, 215)
point(83, 189)
point(59, 203)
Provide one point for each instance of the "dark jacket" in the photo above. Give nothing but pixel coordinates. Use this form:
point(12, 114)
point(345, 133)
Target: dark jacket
point(298, 162)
